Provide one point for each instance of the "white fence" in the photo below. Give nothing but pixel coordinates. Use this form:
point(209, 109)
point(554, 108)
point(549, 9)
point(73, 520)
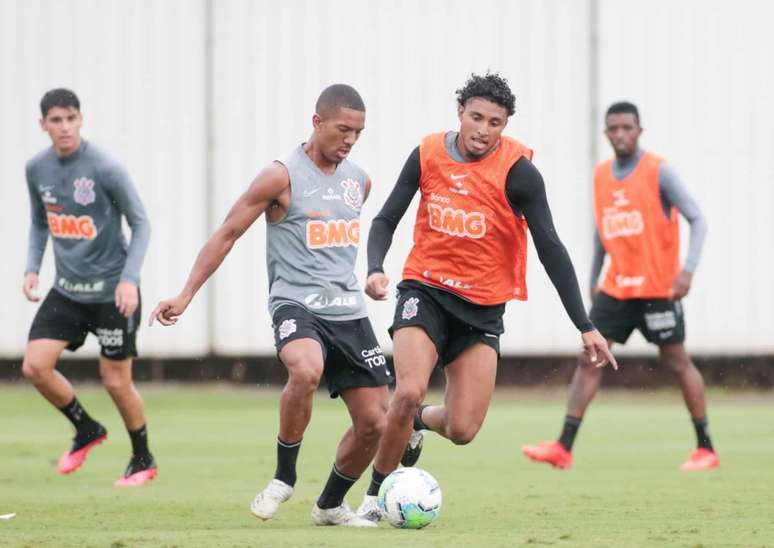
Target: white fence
point(196, 96)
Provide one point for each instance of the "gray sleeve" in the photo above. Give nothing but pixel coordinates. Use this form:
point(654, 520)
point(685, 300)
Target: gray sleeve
point(126, 198)
point(38, 236)
point(597, 260)
point(674, 193)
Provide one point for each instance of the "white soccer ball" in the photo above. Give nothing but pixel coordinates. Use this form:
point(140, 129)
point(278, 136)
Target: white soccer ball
point(410, 498)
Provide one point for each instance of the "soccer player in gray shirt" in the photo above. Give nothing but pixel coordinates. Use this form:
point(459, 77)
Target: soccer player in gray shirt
point(78, 196)
point(312, 200)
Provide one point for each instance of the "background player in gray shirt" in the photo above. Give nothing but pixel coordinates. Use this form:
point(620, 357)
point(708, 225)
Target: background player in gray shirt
point(312, 201)
point(78, 196)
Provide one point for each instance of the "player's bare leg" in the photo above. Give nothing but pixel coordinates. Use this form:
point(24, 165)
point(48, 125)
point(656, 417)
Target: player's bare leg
point(39, 367)
point(691, 382)
point(470, 382)
point(583, 387)
point(303, 359)
point(117, 380)
point(415, 357)
point(368, 410)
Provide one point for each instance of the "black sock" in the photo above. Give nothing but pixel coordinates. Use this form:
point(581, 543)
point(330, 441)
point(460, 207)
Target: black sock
point(702, 433)
point(569, 430)
point(140, 441)
point(419, 424)
point(376, 481)
point(79, 417)
point(335, 489)
point(287, 453)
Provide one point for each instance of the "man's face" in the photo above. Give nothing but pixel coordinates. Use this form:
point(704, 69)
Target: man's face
point(623, 131)
point(337, 132)
point(481, 123)
point(63, 125)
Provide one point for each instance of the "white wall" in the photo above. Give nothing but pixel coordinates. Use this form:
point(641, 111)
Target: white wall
point(136, 67)
point(700, 71)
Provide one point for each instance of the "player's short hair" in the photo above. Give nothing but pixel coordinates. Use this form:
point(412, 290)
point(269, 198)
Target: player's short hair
point(623, 107)
point(338, 96)
point(491, 87)
point(59, 97)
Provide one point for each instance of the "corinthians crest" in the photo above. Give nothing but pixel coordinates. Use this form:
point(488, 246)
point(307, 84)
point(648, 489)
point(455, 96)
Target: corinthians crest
point(352, 196)
point(84, 191)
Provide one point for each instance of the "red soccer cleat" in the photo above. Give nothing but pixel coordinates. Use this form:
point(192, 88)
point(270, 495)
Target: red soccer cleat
point(72, 460)
point(551, 452)
point(701, 459)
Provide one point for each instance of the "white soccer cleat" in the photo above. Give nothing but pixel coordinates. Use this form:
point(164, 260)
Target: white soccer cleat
point(369, 509)
point(265, 503)
point(340, 515)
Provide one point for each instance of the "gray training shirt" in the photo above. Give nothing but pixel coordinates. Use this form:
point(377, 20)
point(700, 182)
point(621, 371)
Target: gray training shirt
point(311, 252)
point(673, 193)
point(79, 200)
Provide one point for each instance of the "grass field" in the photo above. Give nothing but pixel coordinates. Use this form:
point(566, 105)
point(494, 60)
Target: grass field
point(215, 447)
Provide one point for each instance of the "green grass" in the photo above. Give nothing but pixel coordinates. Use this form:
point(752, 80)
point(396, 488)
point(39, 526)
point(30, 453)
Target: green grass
point(215, 448)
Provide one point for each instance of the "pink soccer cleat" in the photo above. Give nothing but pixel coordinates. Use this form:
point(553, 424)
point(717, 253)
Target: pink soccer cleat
point(75, 457)
point(140, 471)
point(701, 459)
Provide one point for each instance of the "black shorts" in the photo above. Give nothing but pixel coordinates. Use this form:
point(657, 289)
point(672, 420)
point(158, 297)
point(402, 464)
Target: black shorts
point(352, 355)
point(64, 319)
point(451, 322)
point(659, 320)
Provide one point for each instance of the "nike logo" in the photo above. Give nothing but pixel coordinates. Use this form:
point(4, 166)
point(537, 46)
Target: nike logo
point(458, 177)
point(46, 188)
point(308, 193)
point(490, 335)
point(111, 351)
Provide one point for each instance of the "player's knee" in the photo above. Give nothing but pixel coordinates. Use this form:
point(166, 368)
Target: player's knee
point(32, 371)
point(371, 426)
point(407, 399)
point(116, 384)
point(305, 376)
point(462, 434)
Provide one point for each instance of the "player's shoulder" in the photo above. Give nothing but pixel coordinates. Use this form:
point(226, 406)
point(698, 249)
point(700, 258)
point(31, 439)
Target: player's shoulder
point(44, 156)
point(99, 155)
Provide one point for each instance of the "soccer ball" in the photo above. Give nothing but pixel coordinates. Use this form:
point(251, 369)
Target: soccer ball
point(410, 498)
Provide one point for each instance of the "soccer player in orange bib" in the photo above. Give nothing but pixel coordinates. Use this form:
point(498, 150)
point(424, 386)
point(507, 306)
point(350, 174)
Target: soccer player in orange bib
point(636, 200)
point(480, 193)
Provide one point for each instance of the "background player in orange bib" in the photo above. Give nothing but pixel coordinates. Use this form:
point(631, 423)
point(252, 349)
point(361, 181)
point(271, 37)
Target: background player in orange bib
point(480, 193)
point(636, 200)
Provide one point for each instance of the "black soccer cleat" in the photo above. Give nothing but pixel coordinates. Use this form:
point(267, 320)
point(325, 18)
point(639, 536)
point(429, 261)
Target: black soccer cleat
point(413, 449)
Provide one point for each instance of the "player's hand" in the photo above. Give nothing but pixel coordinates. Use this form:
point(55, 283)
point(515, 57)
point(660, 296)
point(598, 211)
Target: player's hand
point(127, 298)
point(30, 287)
point(682, 285)
point(376, 286)
point(167, 312)
point(596, 349)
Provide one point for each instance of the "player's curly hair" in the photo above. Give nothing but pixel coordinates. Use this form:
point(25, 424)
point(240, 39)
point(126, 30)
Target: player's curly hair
point(491, 87)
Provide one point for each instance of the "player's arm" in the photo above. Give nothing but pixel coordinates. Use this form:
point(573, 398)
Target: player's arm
point(676, 194)
point(384, 224)
point(265, 189)
point(126, 198)
point(597, 261)
point(526, 192)
point(36, 245)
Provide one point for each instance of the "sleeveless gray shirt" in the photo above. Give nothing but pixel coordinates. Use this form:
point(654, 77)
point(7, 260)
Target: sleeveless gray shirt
point(311, 252)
